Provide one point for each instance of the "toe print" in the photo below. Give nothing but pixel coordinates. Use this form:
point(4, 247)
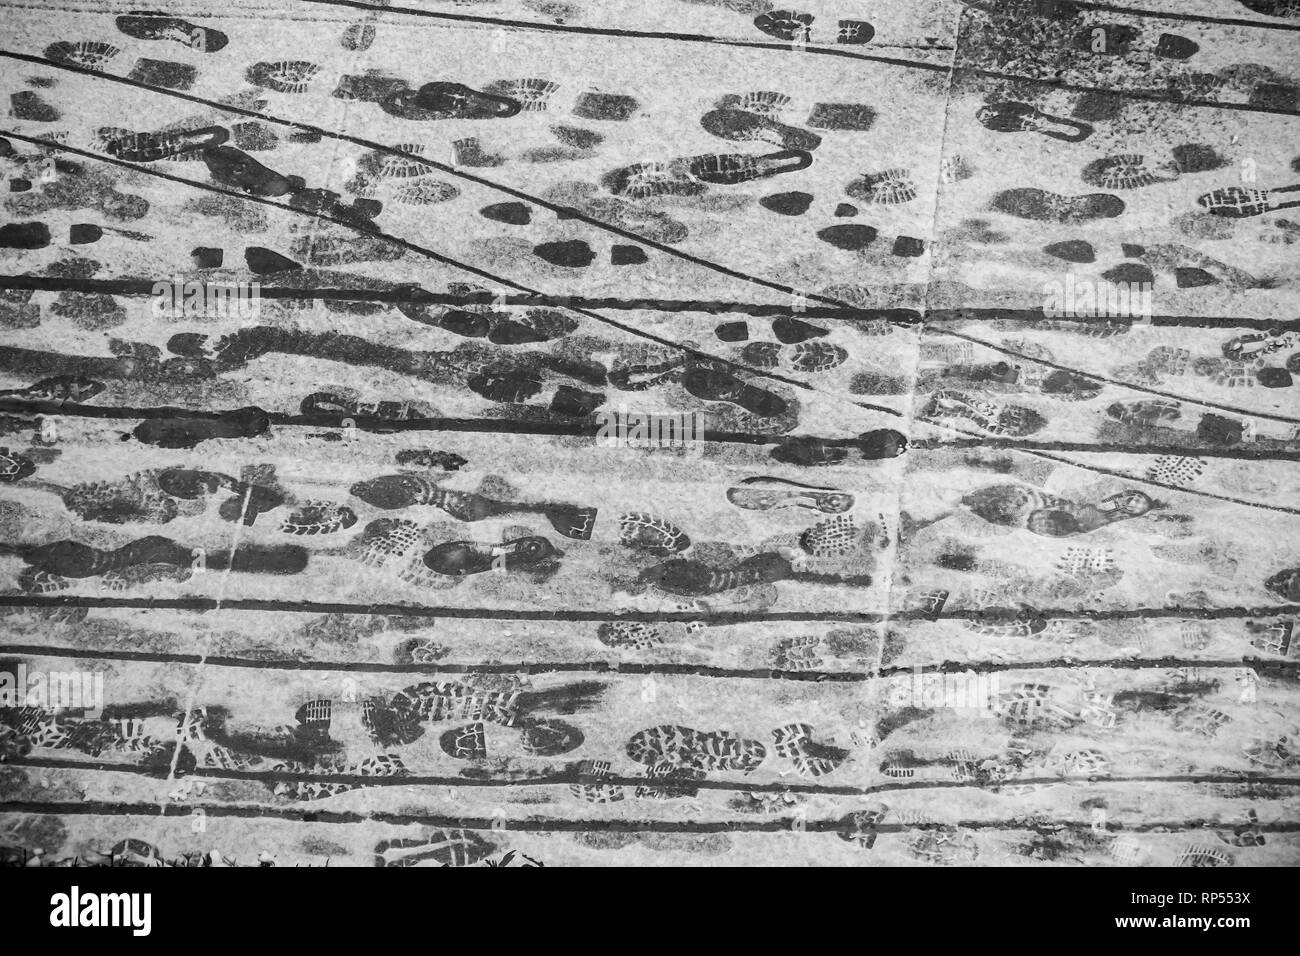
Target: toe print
point(533, 95)
point(1071, 250)
point(465, 743)
point(851, 237)
point(424, 193)
point(817, 356)
point(512, 213)
point(854, 32)
point(809, 357)
point(954, 169)
point(90, 54)
point(358, 37)
point(889, 187)
point(14, 467)
point(1173, 470)
point(732, 331)
point(549, 737)
point(611, 107)
point(28, 105)
point(577, 137)
point(631, 634)
point(1129, 272)
point(842, 116)
point(572, 253)
point(1171, 46)
point(794, 742)
point(405, 167)
point(765, 355)
point(163, 73)
point(763, 102)
point(434, 848)
point(652, 534)
point(788, 25)
point(1186, 277)
point(790, 330)
point(24, 235)
point(319, 517)
point(1128, 171)
point(469, 152)
point(1144, 414)
point(283, 76)
point(253, 136)
point(668, 771)
point(627, 255)
point(832, 537)
point(596, 792)
point(1197, 158)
